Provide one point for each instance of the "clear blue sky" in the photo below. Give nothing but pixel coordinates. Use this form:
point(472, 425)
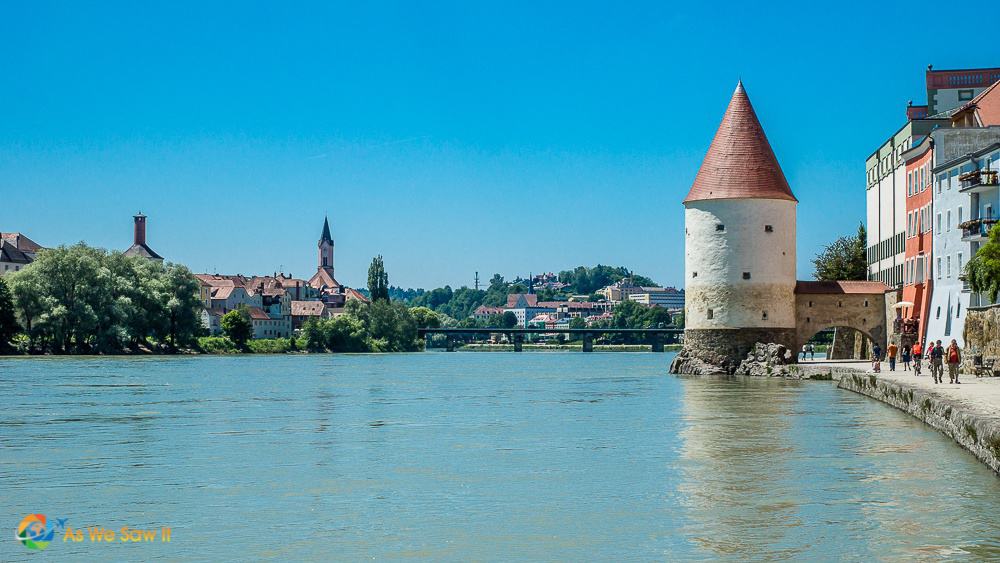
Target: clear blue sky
point(449, 137)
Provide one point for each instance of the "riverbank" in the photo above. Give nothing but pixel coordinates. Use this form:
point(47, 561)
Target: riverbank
point(578, 347)
point(968, 413)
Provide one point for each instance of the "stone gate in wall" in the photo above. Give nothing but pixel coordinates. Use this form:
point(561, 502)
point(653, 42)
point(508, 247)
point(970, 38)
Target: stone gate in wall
point(860, 305)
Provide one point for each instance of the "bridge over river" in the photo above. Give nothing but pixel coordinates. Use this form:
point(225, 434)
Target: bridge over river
point(655, 337)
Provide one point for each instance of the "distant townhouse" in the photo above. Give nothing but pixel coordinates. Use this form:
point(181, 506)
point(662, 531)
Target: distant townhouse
point(918, 256)
point(525, 307)
point(16, 252)
point(626, 290)
point(278, 304)
point(668, 298)
point(886, 170)
point(965, 200)
point(484, 312)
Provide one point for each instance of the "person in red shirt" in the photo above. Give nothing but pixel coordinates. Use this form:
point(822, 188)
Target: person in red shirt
point(954, 360)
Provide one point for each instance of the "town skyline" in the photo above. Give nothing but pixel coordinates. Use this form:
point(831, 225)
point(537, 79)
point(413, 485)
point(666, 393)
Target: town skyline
point(572, 146)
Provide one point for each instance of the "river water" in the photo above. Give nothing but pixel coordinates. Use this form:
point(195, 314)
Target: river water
point(489, 456)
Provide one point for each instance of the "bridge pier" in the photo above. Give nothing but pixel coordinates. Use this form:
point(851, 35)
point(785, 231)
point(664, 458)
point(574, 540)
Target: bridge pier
point(451, 343)
point(588, 342)
point(518, 342)
point(656, 342)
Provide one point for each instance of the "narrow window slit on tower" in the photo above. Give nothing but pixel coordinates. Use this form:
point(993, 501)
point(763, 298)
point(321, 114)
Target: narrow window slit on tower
point(763, 316)
point(768, 228)
point(720, 227)
point(746, 275)
point(711, 314)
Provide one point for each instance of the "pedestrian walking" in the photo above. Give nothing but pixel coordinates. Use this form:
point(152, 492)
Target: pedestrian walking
point(917, 356)
point(812, 352)
point(876, 352)
point(954, 359)
point(891, 351)
point(804, 349)
point(906, 357)
point(937, 367)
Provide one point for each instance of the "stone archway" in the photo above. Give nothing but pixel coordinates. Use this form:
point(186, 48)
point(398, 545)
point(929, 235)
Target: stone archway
point(849, 343)
point(860, 306)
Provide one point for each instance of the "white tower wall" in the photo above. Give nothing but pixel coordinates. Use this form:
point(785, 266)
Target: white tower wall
point(717, 294)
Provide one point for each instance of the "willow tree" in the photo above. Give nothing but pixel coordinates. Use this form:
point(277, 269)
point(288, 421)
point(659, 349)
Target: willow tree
point(983, 271)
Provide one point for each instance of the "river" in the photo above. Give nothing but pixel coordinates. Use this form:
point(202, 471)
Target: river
point(490, 456)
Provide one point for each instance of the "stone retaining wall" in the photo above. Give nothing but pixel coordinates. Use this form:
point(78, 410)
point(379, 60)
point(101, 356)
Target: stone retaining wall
point(978, 433)
point(981, 335)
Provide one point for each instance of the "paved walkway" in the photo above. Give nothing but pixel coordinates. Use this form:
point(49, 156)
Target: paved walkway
point(980, 395)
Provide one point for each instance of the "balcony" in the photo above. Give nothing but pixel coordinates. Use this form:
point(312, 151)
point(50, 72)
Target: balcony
point(978, 181)
point(977, 229)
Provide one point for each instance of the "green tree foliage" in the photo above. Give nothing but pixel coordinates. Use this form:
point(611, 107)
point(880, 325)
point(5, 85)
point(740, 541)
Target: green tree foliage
point(845, 259)
point(237, 326)
point(577, 322)
point(585, 281)
point(426, 318)
point(8, 322)
point(508, 320)
point(378, 280)
point(382, 326)
point(983, 270)
point(81, 299)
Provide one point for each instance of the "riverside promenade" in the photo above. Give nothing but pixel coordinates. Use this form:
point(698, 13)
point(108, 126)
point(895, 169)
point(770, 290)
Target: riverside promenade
point(968, 412)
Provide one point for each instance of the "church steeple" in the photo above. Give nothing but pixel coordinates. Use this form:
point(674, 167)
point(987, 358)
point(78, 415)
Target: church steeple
point(326, 248)
point(326, 231)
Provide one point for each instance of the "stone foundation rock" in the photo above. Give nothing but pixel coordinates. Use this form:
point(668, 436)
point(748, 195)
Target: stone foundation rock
point(769, 360)
point(721, 351)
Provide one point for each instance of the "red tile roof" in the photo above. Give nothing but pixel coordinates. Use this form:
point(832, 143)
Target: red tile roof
point(307, 308)
point(986, 106)
point(740, 163)
point(834, 287)
point(351, 293)
point(21, 242)
point(258, 314)
point(522, 300)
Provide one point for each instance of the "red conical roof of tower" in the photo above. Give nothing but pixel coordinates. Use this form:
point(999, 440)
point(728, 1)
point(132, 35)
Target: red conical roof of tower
point(740, 163)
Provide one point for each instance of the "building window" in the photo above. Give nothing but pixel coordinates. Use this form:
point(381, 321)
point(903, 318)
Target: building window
point(694, 274)
point(720, 227)
point(866, 302)
point(939, 222)
point(958, 309)
point(763, 315)
point(947, 222)
point(746, 275)
point(768, 228)
point(959, 214)
point(840, 303)
point(964, 95)
point(947, 271)
point(938, 312)
point(810, 303)
point(711, 314)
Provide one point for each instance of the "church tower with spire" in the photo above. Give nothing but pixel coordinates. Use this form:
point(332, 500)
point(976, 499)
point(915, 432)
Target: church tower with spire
point(739, 258)
point(326, 248)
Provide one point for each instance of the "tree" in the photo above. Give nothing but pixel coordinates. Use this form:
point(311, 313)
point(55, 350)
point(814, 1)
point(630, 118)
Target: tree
point(509, 320)
point(8, 322)
point(983, 270)
point(845, 259)
point(425, 318)
point(378, 280)
point(236, 324)
point(577, 322)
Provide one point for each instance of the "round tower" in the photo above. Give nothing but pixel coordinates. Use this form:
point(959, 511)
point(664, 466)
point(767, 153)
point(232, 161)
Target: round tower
point(739, 258)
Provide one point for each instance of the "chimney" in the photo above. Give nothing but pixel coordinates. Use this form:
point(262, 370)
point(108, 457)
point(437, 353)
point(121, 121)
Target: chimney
point(140, 229)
